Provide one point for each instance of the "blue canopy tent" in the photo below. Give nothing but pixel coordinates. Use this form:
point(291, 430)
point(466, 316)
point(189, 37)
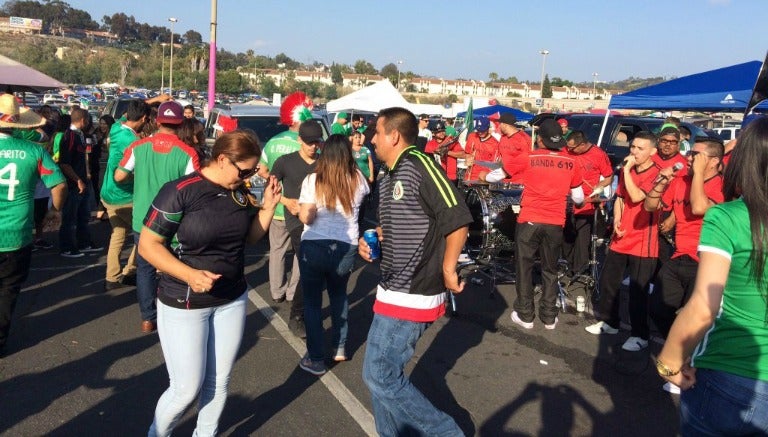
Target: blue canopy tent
point(501, 109)
point(726, 89)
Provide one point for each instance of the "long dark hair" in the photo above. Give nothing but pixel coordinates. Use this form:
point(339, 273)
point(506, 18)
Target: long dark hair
point(747, 176)
point(337, 178)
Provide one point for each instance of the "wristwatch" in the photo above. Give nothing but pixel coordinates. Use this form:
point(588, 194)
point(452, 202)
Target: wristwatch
point(663, 370)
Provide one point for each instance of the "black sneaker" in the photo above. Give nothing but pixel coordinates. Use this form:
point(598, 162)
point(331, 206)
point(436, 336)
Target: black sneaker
point(128, 279)
point(43, 244)
point(113, 285)
point(297, 327)
point(71, 254)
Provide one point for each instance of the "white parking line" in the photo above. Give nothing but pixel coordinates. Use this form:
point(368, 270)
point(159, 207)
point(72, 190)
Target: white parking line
point(337, 388)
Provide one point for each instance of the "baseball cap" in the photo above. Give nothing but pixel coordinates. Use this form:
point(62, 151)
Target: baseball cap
point(507, 118)
point(343, 115)
point(551, 134)
point(562, 122)
point(439, 126)
point(170, 113)
point(310, 132)
point(669, 129)
point(482, 124)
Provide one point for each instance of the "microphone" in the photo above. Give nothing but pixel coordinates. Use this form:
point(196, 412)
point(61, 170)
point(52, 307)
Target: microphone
point(675, 168)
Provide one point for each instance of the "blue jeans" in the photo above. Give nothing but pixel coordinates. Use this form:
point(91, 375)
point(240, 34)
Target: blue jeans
point(200, 347)
point(146, 285)
point(74, 233)
point(399, 408)
point(325, 263)
point(724, 404)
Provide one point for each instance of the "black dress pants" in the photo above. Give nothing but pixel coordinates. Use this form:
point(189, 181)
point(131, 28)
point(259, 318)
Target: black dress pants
point(672, 289)
point(546, 240)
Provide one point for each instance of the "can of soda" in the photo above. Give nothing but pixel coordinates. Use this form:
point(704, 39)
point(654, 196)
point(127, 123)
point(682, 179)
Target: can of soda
point(580, 304)
point(371, 238)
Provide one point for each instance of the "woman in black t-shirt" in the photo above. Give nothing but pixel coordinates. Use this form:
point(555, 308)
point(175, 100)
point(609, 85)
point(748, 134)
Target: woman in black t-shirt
point(207, 217)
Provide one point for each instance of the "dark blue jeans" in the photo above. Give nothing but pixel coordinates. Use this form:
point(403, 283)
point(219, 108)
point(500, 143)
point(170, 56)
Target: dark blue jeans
point(399, 408)
point(724, 404)
point(146, 285)
point(325, 263)
point(74, 233)
point(14, 268)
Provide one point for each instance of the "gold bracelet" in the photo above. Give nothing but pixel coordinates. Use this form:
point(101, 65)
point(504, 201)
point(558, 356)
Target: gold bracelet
point(664, 370)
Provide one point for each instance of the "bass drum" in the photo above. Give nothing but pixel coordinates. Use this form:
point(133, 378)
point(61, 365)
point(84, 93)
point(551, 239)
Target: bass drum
point(494, 211)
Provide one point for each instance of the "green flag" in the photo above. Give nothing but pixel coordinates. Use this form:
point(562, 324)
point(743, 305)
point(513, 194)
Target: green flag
point(469, 120)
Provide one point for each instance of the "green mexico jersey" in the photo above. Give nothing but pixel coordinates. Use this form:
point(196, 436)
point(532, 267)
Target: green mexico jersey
point(154, 161)
point(22, 164)
point(120, 137)
point(361, 159)
point(279, 145)
point(737, 341)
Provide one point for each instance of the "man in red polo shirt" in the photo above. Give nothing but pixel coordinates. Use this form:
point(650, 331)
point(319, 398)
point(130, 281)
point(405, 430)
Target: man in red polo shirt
point(634, 246)
point(550, 177)
point(480, 146)
point(688, 198)
point(445, 149)
point(514, 147)
point(594, 164)
point(668, 154)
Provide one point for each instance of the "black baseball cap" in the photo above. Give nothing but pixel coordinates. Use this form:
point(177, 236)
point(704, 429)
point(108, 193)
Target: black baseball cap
point(551, 134)
point(311, 132)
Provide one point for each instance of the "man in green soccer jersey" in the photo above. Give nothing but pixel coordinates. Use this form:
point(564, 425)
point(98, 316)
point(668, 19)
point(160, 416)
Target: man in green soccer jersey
point(294, 110)
point(22, 164)
point(153, 161)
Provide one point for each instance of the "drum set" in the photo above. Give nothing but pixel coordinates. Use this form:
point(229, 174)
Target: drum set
point(490, 246)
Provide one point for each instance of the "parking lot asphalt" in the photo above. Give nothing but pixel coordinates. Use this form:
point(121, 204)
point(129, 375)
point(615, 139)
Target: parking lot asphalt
point(77, 364)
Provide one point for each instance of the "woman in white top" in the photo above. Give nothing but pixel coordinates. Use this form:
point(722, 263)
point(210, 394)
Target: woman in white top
point(329, 204)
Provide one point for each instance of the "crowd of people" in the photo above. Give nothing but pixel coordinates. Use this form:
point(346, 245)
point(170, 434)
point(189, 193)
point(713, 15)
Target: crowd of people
point(688, 232)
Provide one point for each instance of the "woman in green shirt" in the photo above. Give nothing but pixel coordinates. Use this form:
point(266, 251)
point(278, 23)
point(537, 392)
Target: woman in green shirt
point(717, 350)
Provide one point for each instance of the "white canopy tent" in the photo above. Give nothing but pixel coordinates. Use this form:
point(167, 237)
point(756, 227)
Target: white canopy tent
point(372, 98)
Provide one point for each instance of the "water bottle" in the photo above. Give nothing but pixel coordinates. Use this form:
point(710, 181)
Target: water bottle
point(371, 238)
point(580, 304)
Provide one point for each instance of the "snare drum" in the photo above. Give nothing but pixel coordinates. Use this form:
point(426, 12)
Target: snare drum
point(494, 211)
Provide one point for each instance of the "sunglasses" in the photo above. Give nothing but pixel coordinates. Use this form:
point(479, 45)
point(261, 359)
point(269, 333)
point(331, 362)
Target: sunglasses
point(244, 173)
point(692, 153)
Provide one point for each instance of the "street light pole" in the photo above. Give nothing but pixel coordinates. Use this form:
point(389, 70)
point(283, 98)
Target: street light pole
point(544, 54)
point(162, 75)
point(399, 64)
point(594, 84)
point(170, 69)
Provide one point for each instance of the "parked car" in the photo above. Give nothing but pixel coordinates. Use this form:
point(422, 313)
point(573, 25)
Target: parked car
point(728, 133)
point(264, 120)
point(54, 99)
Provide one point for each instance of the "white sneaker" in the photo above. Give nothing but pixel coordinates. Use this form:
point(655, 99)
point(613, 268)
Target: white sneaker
point(671, 388)
point(552, 325)
point(516, 319)
point(625, 282)
point(601, 328)
point(635, 344)
point(650, 289)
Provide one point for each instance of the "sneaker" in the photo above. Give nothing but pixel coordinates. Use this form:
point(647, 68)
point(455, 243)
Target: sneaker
point(671, 388)
point(91, 249)
point(650, 288)
point(43, 244)
point(316, 368)
point(601, 328)
point(71, 254)
point(340, 355)
point(129, 279)
point(635, 344)
point(278, 299)
point(552, 325)
point(516, 319)
point(625, 282)
point(297, 327)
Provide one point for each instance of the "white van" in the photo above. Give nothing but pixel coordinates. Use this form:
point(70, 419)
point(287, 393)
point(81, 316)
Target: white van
point(728, 133)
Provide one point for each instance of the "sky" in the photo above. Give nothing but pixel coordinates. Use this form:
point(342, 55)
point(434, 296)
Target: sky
point(470, 39)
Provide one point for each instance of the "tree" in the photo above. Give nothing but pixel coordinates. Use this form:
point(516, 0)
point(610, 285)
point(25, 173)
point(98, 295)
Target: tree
point(229, 82)
point(267, 87)
point(193, 37)
point(364, 67)
point(390, 71)
point(336, 75)
point(290, 64)
point(556, 81)
point(546, 88)
point(493, 76)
